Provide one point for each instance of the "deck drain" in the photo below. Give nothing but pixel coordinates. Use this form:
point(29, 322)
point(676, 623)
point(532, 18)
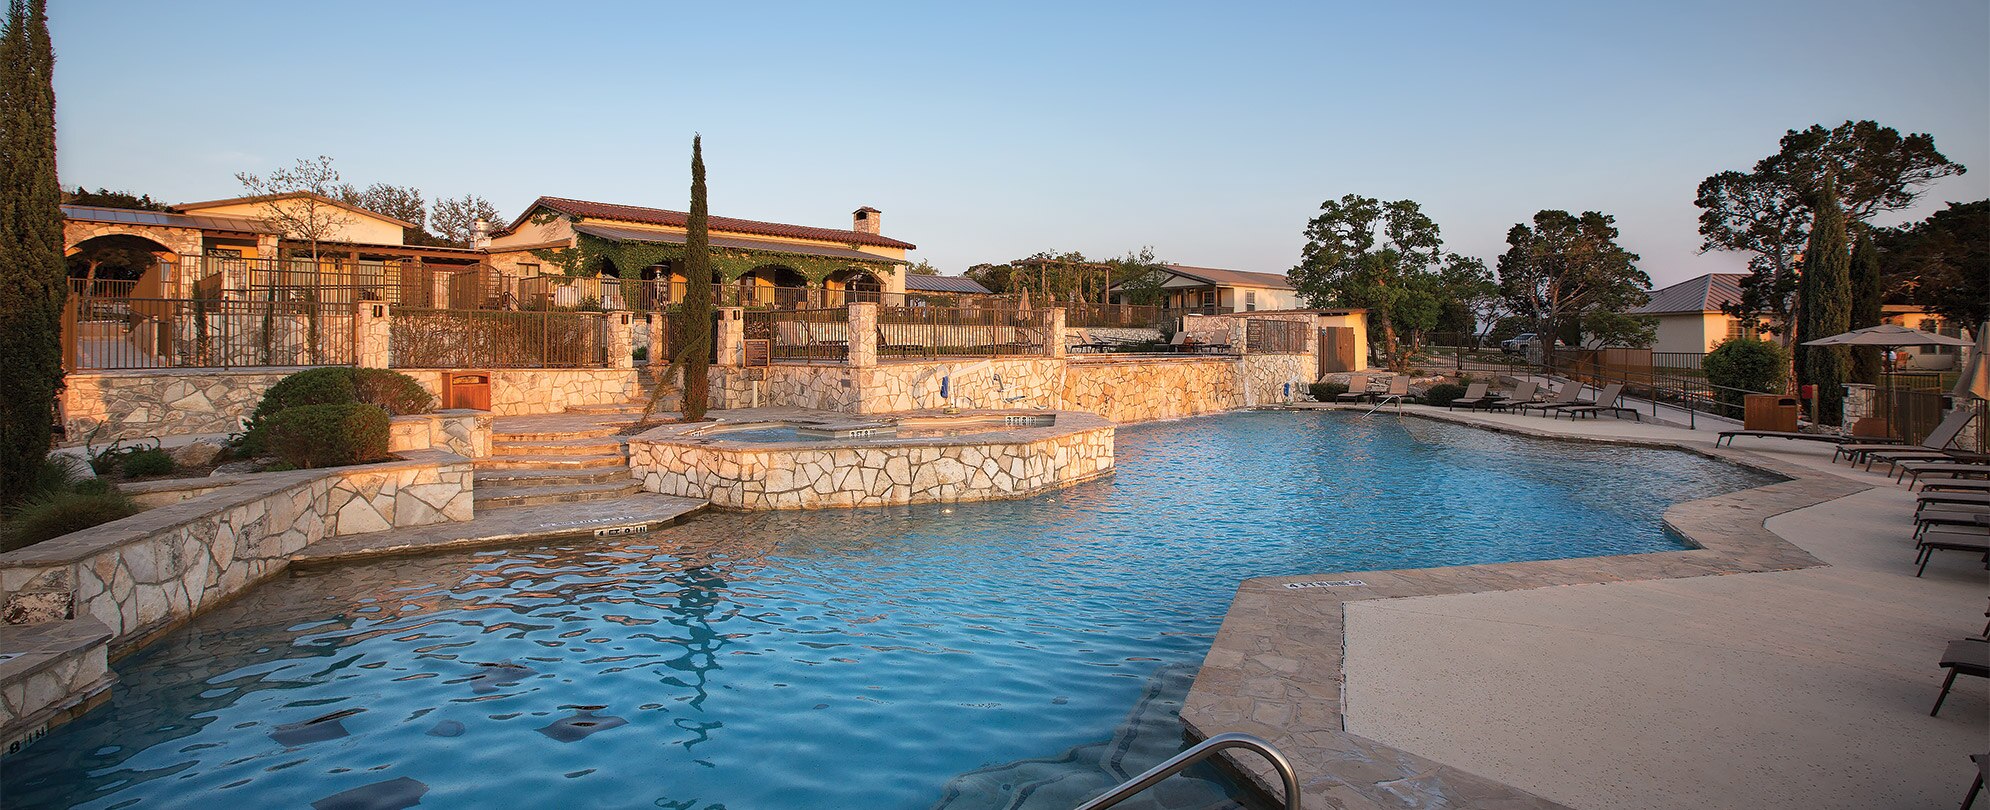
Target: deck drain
point(1326, 583)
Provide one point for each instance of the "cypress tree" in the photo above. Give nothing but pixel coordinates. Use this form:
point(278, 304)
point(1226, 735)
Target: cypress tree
point(32, 286)
point(1865, 306)
point(696, 354)
point(1827, 302)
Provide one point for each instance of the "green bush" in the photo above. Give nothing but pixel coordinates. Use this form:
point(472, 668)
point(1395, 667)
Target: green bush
point(330, 435)
point(1747, 364)
point(146, 461)
point(392, 391)
point(1326, 391)
point(55, 514)
point(1443, 393)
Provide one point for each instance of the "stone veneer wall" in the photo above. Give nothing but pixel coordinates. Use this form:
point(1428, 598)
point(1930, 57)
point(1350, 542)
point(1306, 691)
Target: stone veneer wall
point(105, 406)
point(164, 565)
point(523, 391)
point(1012, 463)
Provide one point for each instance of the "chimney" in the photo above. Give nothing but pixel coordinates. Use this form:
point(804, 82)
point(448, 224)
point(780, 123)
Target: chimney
point(480, 234)
point(865, 220)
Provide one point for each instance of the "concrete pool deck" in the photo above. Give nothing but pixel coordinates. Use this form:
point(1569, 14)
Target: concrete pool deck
point(1632, 681)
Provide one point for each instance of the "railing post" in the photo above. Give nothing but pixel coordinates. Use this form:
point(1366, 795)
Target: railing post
point(863, 335)
point(1056, 348)
point(372, 335)
point(730, 337)
point(621, 340)
point(659, 328)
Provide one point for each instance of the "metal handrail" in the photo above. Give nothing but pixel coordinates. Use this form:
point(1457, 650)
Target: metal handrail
point(1201, 751)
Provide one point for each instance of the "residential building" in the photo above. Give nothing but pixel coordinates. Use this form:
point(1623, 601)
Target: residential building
point(1689, 315)
point(1211, 290)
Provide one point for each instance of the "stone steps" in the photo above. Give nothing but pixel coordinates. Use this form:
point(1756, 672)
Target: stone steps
point(553, 461)
point(586, 445)
point(500, 478)
point(618, 408)
point(499, 497)
point(555, 435)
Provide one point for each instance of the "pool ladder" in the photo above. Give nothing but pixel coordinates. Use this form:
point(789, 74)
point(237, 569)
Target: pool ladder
point(1201, 751)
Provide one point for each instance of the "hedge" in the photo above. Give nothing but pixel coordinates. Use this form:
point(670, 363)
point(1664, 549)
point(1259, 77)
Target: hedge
point(328, 435)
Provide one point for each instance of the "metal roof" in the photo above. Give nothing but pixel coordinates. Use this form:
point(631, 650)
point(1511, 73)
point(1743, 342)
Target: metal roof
point(162, 219)
point(949, 284)
point(678, 219)
point(1227, 278)
point(1706, 293)
point(644, 235)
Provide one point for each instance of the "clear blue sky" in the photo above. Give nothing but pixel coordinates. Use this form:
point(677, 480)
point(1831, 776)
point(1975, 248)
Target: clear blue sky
point(989, 131)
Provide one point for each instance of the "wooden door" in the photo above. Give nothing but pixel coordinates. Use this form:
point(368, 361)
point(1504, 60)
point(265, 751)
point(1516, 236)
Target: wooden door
point(1336, 349)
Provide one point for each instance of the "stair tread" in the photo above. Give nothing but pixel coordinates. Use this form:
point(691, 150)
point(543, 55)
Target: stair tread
point(499, 477)
point(551, 460)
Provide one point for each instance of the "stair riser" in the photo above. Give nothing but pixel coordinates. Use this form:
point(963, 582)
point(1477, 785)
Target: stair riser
point(524, 499)
point(498, 478)
point(551, 448)
point(555, 435)
point(576, 463)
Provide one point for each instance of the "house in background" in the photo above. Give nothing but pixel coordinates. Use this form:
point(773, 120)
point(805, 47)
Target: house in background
point(933, 287)
point(1933, 358)
point(760, 263)
point(1689, 315)
point(1216, 291)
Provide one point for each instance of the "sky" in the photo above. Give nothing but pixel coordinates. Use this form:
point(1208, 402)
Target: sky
point(990, 131)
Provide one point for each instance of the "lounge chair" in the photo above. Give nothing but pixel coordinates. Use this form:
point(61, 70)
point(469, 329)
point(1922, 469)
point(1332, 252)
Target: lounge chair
point(1523, 393)
point(1933, 540)
point(1473, 393)
point(1982, 763)
point(1606, 401)
point(1941, 500)
point(1086, 343)
point(1178, 343)
point(1934, 446)
point(1728, 436)
point(1965, 516)
point(1357, 388)
point(1562, 399)
point(1970, 656)
point(1399, 387)
point(1955, 485)
point(1911, 471)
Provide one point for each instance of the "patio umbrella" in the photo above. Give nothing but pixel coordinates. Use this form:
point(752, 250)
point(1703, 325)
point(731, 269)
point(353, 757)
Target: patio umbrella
point(1975, 378)
point(1888, 336)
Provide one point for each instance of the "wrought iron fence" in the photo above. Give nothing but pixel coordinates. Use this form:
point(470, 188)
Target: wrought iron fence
point(1113, 316)
point(403, 282)
point(1267, 336)
point(924, 331)
point(445, 338)
point(821, 333)
point(101, 333)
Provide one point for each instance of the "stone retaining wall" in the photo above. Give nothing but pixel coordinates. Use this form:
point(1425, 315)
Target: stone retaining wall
point(162, 566)
point(1012, 463)
point(526, 391)
point(105, 406)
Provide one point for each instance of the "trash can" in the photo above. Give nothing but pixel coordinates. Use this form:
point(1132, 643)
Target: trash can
point(467, 389)
point(1769, 412)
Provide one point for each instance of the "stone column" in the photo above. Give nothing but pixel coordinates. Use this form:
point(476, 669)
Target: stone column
point(731, 336)
point(1239, 334)
point(1056, 348)
point(621, 340)
point(863, 335)
point(372, 334)
point(659, 324)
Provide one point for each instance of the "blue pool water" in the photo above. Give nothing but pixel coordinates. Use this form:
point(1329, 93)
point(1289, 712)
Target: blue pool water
point(974, 656)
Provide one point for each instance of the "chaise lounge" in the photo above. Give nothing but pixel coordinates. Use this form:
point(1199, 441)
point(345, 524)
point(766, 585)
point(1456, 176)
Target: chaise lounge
point(1606, 401)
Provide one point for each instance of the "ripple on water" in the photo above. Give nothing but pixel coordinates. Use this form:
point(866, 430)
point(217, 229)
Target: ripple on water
point(831, 659)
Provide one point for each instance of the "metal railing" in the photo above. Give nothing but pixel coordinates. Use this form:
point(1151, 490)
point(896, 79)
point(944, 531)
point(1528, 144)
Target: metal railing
point(1113, 316)
point(1268, 336)
point(101, 333)
point(404, 282)
point(802, 334)
point(1195, 754)
point(917, 331)
point(445, 338)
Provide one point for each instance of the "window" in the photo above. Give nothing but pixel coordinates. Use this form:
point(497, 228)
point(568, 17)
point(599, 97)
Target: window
point(1250, 300)
point(1737, 328)
point(528, 269)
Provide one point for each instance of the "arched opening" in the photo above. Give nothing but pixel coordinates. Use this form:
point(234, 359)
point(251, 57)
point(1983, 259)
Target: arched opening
point(853, 284)
point(117, 265)
point(772, 285)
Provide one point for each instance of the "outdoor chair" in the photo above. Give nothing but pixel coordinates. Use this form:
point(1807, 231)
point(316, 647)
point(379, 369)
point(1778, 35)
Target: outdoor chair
point(1795, 435)
point(1969, 656)
point(1179, 343)
point(1967, 540)
point(1911, 471)
point(1523, 393)
point(1087, 343)
point(1951, 515)
point(1943, 500)
point(1934, 446)
point(1357, 388)
point(1956, 485)
point(1473, 393)
point(1982, 763)
point(1399, 387)
point(1563, 398)
point(1606, 401)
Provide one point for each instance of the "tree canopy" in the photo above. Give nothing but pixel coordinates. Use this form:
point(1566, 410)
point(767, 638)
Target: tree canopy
point(1386, 257)
point(32, 284)
point(1942, 263)
point(106, 198)
point(1565, 268)
point(1066, 275)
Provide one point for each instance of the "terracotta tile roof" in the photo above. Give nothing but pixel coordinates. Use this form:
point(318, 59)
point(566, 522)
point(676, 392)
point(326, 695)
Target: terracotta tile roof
point(678, 219)
point(1706, 293)
point(645, 235)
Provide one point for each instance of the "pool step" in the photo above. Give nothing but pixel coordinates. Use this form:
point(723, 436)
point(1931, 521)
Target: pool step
point(552, 461)
point(499, 497)
point(500, 478)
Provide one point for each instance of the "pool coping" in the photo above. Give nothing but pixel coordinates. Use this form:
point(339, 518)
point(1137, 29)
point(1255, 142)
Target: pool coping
point(1275, 669)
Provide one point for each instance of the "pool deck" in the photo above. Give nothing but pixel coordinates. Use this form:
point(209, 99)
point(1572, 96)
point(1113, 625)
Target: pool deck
point(1649, 680)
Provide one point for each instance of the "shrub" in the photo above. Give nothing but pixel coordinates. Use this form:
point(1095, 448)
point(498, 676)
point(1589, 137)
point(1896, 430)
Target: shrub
point(1747, 364)
point(1443, 393)
point(1326, 391)
point(396, 393)
point(329, 435)
point(146, 461)
point(55, 514)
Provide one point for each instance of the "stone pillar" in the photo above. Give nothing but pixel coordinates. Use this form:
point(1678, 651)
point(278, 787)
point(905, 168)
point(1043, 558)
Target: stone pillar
point(372, 334)
point(1057, 348)
point(731, 336)
point(621, 340)
point(1239, 334)
point(863, 334)
point(659, 325)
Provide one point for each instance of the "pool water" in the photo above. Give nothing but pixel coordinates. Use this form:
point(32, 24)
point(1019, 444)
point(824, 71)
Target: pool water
point(998, 654)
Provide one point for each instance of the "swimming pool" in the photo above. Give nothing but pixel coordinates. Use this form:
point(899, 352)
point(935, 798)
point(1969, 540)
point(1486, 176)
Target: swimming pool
point(976, 655)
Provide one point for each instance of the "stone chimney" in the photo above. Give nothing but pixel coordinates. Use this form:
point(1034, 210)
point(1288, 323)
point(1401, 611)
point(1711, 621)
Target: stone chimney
point(480, 234)
point(865, 220)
